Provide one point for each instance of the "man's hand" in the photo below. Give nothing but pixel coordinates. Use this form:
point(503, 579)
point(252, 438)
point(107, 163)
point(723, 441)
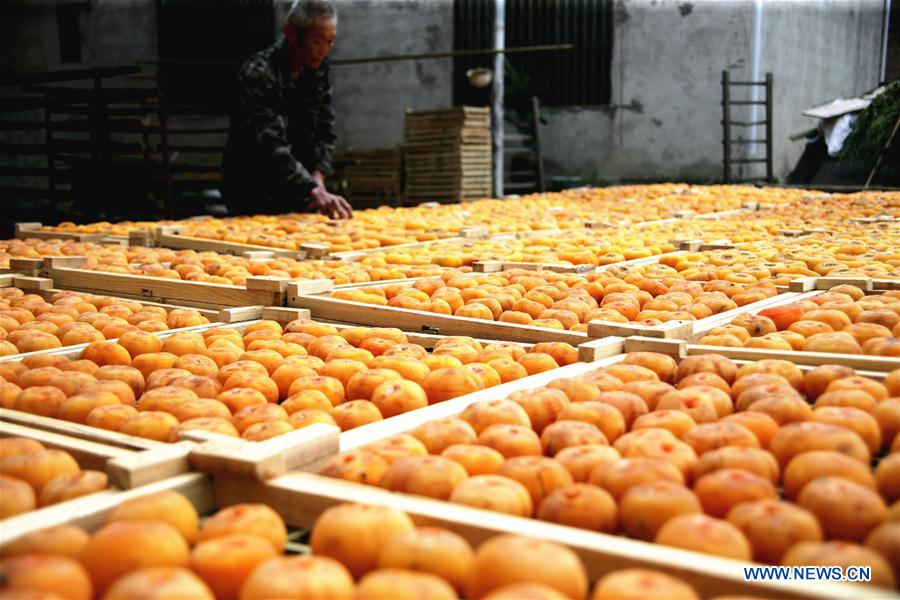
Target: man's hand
point(332, 205)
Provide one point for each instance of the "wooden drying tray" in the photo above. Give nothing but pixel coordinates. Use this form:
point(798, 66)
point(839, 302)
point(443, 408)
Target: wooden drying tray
point(217, 455)
point(496, 266)
point(175, 236)
point(323, 306)
point(301, 497)
point(205, 451)
point(805, 361)
point(672, 329)
point(90, 512)
point(866, 284)
point(172, 236)
point(587, 352)
point(44, 287)
point(466, 234)
point(74, 352)
point(686, 329)
point(65, 272)
point(210, 452)
point(856, 361)
point(213, 453)
point(33, 230)
point(678, 215)
point(202, 450)
point(128, 465)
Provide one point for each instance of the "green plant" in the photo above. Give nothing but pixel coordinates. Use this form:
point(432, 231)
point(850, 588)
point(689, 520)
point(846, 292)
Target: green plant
point(873, 128)
point(518, 89)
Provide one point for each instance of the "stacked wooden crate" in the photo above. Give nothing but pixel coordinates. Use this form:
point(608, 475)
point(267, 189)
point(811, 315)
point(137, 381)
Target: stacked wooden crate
point(375, 176)
point(448, 154)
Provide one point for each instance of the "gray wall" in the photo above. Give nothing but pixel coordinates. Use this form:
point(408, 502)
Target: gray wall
point(664, 117)
point(668, 55)
point(817, 50)
point(370, 98)
point(114, 32)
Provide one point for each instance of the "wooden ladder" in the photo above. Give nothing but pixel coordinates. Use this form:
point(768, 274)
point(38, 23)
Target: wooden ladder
point(524, 145)
point(729, 123)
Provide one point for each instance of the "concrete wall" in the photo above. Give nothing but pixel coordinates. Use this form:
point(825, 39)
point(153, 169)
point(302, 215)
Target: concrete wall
point(120, 32)
point(28, 36)
point(370, 99)
point(664, 118)
point(663, 121)
point(668, 55)
point(114, 32)
point(817, 50)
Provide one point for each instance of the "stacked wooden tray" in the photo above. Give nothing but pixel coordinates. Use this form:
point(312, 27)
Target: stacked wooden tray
point(447, 154)
point(374, 176)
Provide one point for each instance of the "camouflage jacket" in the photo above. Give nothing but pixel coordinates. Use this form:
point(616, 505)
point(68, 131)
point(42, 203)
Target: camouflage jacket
point(281, 130)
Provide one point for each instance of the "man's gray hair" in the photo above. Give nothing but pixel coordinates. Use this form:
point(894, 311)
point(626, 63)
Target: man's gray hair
point(304, 12)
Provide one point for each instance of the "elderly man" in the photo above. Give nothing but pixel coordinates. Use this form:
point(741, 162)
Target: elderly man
point(282, 128)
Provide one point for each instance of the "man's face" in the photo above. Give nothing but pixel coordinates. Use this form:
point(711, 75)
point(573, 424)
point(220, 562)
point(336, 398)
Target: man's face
point(315, 44)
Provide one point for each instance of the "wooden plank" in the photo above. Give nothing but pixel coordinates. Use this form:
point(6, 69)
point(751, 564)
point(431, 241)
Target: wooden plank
point(725, 214)
point(165, 238)
point(345, 311)
point(309, 286)
point(717, 245)
point(90, 512)
point(32, 284)
point(76, 430)
point(302, 448)
point(259, 254)
point(802, 284)
point(677, 349)
point(478, 232)
point(854, 361)
point(90, 455)
point(355, 254)
point(687, 245)
point(284, 314)
point(142, 237)
point(150, 459)
point(301, 497)
point(239, 313)
point(826, 283)
point(141, 468)
point(501, 265)
point(866, 284)
point(599, 349)
point(32, 230)
point(316, 251)
point(65, 261)
point(192, 293)
point(672, 329)
point(28, 266)
point(497, 266)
